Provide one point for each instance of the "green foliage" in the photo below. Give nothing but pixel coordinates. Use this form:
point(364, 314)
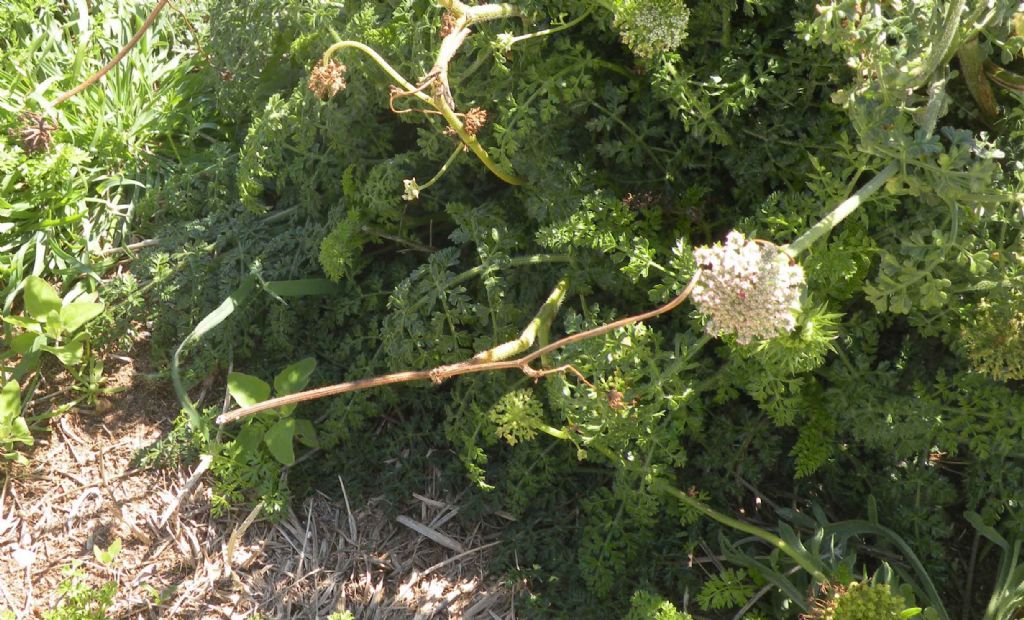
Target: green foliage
point(63, 203)
point(13, 428)
point(252, 460)
point(80, 600)
point(637, 144)
point(730, 588)
point(866, 601)
point(647, 606)
point(51, 325)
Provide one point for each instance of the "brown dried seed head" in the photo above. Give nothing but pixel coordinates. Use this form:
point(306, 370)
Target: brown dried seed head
point(35, 132)
point(327, 79)
point(447, 24)
point(474, 120)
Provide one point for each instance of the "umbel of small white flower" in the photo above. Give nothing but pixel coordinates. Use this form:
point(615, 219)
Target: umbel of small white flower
point(649, 27)
point(748, 289)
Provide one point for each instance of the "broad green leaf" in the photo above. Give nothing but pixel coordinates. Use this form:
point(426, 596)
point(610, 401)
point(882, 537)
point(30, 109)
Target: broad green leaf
point(279, 440)
point(10, 402)
point(23, 343)
point(25, 323)
point(246, 389)
point(18, 458)
point(294, 377)
point(985, 530)
point(305, 433)
point(249, 438)
point(107, 556)
point(910, 612)
point(71, 353)
point(54, 326)
point(40, 297)
point(300, 288)
point(79, 313)
point(20, 433)
point(29, 363)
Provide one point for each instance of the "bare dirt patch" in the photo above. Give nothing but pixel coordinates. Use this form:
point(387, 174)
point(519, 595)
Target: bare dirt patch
point(80, 491)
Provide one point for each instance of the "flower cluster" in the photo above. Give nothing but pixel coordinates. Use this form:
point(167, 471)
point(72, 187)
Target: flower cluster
point(474, 120)
point(748, 289)
point(650, 27)
point(859, 601)
point(993, 335)
point(327, 79)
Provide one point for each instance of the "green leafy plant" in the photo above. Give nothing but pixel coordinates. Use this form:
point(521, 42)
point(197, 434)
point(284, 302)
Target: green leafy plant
point(13, 427)
point(79, 600)
point(841, 141)
point(51, 324)
point(730, 588)
point(280, 428)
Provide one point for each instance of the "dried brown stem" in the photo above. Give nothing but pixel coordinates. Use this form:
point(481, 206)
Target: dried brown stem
point(442, 373)
point(96, 77)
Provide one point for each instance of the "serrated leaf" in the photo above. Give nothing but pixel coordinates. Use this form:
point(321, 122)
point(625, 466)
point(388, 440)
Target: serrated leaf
point(279, 440)
point(40, 297)
point(77, 314)
point(247, 390)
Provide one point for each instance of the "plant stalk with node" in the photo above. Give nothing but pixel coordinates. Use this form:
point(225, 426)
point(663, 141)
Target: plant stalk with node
point(434, 89)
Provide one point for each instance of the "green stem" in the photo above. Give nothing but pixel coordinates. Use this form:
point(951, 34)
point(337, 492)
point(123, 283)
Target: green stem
point(444, 168)
point(557, 433)
point(552, 30)
point(481, 13)
point(844, 209)
point(939, 53)
point(541, 323)
point(473, 144)
point(851, 204)
point(369, 51)
point(490, 12)
point(801, 559)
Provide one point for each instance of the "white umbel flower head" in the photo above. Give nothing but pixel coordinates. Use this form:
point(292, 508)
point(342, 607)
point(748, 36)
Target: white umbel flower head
point(748, 289)
point(649, 27)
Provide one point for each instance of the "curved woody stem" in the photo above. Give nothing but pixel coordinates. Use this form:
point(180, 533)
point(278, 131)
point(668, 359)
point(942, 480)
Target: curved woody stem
point(442, 373)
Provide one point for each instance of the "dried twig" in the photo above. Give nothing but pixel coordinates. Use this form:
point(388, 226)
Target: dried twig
point(442, 373)
point(204, 464)
point(442, 539)
point(96, 77)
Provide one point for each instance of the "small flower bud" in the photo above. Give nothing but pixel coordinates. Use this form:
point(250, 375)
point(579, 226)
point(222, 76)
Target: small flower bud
point(504, 42)
point(747, 289)
point(412, 189)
